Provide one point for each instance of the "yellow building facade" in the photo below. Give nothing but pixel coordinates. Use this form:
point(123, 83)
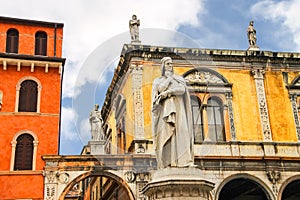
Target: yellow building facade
point(245, 109)
point(245, 106)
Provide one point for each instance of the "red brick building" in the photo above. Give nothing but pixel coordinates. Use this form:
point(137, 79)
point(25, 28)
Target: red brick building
point(30, 91)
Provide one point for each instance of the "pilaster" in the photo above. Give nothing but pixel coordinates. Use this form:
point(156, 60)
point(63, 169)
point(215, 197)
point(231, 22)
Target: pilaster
point(262, 103)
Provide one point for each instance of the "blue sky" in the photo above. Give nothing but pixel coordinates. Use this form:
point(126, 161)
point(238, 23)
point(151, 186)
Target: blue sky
point(95, 31)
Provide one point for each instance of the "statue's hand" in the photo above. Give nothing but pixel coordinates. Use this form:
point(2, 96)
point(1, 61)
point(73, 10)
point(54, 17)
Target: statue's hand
point(164, 94)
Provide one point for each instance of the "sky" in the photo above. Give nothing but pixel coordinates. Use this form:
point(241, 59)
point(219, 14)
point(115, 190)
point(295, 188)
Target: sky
point(95, 31)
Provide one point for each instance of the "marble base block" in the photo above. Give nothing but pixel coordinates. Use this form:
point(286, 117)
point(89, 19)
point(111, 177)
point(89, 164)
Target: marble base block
point(178, 184)
point(97, 147)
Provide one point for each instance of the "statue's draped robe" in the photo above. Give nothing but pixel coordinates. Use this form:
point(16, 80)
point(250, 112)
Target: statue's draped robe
point(172, 124)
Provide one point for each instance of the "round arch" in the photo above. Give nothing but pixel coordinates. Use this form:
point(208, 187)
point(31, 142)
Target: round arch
point(288, 183)
point(251, 178)
point(103, 173)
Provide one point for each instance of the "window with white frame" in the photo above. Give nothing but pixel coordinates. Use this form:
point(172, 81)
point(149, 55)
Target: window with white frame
point(28, 93)
point(24, 150)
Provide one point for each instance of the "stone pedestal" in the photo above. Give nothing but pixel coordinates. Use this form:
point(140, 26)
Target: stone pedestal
point(136, 42)
point(97, 147)
point(178, 184)
point(253, 48)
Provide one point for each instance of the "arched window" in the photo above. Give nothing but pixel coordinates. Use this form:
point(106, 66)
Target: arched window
point(215, 119)
point(197, 119)
point(212, 105)
point(41, 43)
point(28, 96)
point(12, 41)
point(24, 152)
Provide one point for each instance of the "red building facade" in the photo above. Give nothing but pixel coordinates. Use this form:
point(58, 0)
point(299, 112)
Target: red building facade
point(30, 91)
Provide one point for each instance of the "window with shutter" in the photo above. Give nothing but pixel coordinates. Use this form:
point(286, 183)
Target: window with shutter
point(41, 43)
point(28, 96)
point(24, 152)
point(12, 41)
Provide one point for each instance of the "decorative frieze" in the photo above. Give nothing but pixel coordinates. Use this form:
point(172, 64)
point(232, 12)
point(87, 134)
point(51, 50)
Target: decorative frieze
point(262, 104)
point(203, 77)
point(137, 75)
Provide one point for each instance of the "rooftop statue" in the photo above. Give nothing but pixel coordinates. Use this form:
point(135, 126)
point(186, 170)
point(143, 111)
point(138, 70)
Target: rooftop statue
point(251, 33)
point(96, 124)
point(172, 119)
point(134, 24)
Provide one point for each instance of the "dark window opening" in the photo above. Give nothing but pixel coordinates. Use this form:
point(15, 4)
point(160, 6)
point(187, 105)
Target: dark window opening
point(41, 43)
point(24, 152)
point(28, 96)
point(12, 41)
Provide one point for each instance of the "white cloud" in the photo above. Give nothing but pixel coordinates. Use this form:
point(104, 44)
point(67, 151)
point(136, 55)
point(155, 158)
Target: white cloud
point(283, 13)
point(90, 23)
point(94, 24)
point(68, 116)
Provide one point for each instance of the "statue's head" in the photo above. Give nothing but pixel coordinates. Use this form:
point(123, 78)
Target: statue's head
point(166, 65)
point(134, 17)
point(96, 106)
point(251, 23)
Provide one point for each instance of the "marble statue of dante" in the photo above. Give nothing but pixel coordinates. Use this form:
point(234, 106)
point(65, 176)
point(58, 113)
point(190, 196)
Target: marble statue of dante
point(96, 124)
point(134, 24)
point(172, 119)
point(251, 33)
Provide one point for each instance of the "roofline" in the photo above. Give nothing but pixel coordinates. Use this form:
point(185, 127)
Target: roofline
point(32, 57)
point(180, 53)
point(30, 22)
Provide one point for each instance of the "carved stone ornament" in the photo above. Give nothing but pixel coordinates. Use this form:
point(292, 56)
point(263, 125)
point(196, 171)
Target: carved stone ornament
point(50, 192)
point(202, 77)
point(129, 176)
point(63, 178)
point(274, 176)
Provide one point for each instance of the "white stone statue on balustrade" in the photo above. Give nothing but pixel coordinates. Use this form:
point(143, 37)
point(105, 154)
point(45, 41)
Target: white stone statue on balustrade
point(96, 124)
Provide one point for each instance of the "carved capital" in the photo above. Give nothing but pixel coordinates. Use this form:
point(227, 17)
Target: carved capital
point(293, 97)
point(136, 68)
point(51, 176)
point(258, 73)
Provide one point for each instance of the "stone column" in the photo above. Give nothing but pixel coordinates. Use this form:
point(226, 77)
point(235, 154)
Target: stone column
point(178, 184)
point(262, 104)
